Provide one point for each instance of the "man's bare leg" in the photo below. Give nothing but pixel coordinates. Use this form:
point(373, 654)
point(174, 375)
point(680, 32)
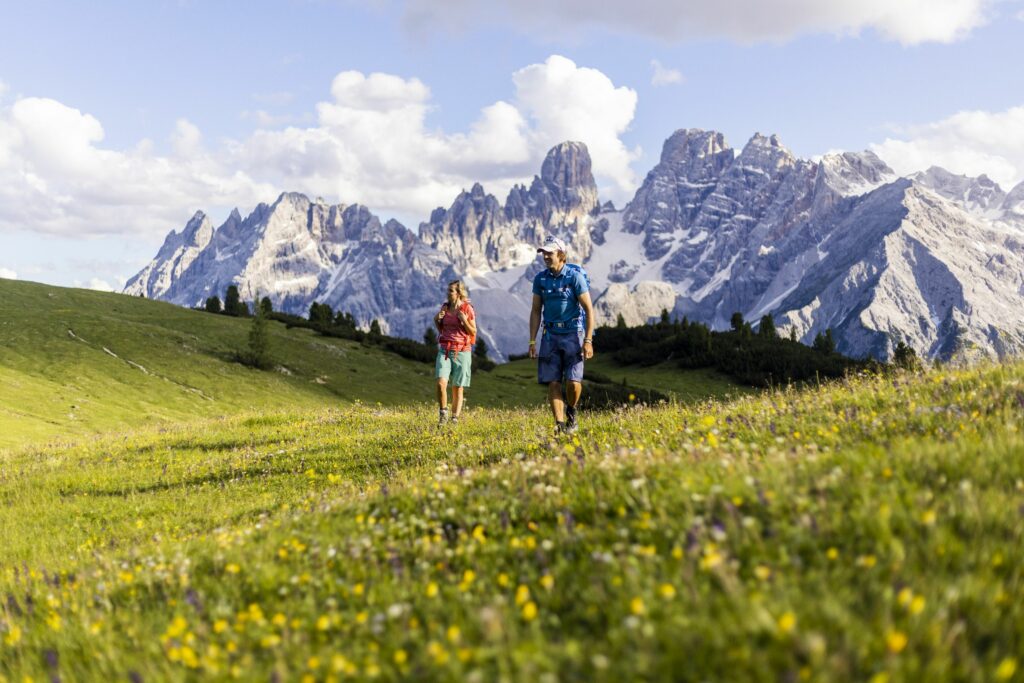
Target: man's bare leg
point(556, 401)
point(573, 391)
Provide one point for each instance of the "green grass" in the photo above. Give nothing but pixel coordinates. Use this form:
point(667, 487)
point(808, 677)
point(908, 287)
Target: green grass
point(76, 363)
point(863, 530)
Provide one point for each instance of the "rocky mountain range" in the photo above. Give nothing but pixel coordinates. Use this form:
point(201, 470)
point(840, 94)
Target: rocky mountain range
point(934, 259)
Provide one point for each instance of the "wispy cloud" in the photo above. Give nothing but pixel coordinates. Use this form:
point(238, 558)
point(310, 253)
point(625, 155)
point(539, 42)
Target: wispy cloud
point(662, 75)
point(8, 274)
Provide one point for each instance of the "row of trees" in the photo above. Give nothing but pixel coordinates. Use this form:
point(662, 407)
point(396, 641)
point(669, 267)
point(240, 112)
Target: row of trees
point(758, 358)
point(234, 306)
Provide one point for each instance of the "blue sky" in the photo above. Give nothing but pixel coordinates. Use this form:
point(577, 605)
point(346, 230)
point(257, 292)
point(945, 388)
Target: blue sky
point(119, 119)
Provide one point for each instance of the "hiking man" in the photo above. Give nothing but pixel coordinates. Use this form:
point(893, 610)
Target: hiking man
point(456, 325)
point(561, 296)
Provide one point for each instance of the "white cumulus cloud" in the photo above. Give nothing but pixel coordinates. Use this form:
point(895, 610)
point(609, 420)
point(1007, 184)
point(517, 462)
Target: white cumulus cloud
point(57, 177)
point(369, 142)
point(906, 21)
point(663, 75)
point(8, 274)
point(969, 143)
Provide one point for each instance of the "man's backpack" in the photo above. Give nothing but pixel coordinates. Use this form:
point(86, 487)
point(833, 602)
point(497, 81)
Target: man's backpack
point(581, 269)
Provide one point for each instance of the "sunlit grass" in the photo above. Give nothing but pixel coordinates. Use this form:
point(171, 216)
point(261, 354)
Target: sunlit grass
point(865, 530)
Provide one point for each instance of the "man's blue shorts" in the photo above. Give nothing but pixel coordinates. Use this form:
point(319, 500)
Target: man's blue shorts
point(560, 357)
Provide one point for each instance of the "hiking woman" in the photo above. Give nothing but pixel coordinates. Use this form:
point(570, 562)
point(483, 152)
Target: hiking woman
point(456, 327)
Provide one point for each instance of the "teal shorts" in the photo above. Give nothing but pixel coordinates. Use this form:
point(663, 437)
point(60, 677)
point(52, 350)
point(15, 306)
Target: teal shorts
point(458, 366)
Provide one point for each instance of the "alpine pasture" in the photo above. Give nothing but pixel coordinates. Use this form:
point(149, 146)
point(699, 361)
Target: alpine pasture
point(196, 519)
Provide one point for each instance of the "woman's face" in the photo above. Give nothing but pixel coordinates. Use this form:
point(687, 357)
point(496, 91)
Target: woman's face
point(453, 293)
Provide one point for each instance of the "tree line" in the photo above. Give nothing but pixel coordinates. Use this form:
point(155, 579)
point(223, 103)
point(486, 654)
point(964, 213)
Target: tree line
point(758, 357)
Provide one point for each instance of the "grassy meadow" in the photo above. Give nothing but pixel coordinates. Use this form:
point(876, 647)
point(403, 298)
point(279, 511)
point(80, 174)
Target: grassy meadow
point(866, 530)
point(76, 363)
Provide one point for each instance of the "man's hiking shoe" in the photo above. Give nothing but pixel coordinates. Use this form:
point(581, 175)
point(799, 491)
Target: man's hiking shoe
point(442, 417)
point(570, 421)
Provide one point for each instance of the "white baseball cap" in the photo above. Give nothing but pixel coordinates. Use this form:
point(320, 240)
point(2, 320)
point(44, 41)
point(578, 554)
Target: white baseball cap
point(553, 244)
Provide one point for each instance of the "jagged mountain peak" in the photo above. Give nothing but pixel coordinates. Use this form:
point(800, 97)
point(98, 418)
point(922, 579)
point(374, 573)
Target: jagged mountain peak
point(979, 194)
point(839, 242)
point(689, 144)
point(853, 173)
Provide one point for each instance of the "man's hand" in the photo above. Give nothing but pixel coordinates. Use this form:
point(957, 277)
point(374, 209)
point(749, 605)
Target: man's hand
point(588, 350)
point(533, 351)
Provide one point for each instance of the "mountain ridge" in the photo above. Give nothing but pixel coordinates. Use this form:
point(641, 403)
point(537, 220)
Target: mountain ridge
point(710, 231)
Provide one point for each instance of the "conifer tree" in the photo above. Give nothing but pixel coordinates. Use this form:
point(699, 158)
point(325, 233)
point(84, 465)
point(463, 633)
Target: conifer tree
point(258, 352)
point(480, 350)
point(233, 301)
point(213, 305)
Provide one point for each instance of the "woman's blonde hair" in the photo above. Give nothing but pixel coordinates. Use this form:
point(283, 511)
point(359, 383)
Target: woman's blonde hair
point(461, 286)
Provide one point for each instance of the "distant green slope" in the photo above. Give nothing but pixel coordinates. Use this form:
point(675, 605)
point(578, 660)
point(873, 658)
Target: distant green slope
point(77, 362)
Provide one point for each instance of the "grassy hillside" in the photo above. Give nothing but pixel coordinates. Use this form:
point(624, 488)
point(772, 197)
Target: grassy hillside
point(866, 530)
point(76, 362)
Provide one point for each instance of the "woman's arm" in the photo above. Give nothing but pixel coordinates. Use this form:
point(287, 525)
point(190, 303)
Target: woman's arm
point(468, 324)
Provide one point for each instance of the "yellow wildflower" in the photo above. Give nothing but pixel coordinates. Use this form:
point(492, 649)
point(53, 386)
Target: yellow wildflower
point(636, 606)
point(787, 622)
point(917, 605)
point(1006, 668)
point(530, 611)
point(895, 641)
point(13, 636)
point(667, 590)
point(432, 589)
point(547, 581)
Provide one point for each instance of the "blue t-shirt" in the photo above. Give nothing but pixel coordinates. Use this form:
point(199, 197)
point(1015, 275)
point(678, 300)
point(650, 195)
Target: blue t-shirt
point(560, 295)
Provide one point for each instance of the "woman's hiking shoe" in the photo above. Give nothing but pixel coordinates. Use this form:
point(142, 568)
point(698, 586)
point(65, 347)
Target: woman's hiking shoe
point(454, 422)
point(442, 417)
point(570, 421)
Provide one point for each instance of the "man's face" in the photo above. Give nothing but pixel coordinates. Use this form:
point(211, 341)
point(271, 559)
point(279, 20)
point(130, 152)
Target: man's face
point(553, 259)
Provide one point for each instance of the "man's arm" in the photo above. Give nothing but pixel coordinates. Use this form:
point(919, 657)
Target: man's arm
point(534, 324)
point(588, 308)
